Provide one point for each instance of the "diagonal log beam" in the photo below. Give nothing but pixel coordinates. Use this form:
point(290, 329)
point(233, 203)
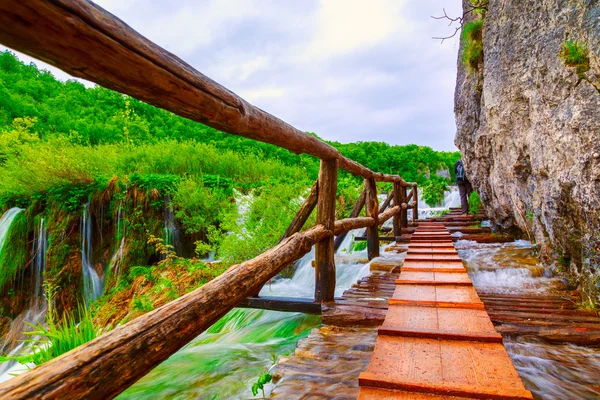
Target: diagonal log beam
point(303, 213)
point(127, 353)
point(88, 42)
point(358, 206)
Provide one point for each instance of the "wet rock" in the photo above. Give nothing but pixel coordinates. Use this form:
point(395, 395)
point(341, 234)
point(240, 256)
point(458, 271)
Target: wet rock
point(528, 128)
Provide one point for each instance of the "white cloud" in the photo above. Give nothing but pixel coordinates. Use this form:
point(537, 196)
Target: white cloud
point(344, 26)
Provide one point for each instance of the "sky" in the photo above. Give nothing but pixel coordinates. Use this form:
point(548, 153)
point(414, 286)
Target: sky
point(348, 70)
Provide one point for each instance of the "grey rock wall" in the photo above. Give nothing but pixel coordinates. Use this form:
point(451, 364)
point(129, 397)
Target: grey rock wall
point(529, 130)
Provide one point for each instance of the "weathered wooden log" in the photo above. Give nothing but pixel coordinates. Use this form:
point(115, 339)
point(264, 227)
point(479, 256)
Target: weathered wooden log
point(352, 315)
point(358, 206)
point(385, 238)
point(392, 212)
point(304, 213)
point(372, 211)
point(127, 353)
point(404, 200)
point(348, 224)
point(386, 203)
point(88, 42)
point(324, 252)
point(415, 198)
point(288, 304)
point(397, 223)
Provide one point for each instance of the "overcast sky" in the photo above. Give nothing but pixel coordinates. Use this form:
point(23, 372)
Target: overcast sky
point(348, 70)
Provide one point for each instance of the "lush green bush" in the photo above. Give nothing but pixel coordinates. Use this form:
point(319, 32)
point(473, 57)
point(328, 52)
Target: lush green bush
point(474, 203)
point(433, 192)
point(472, 39)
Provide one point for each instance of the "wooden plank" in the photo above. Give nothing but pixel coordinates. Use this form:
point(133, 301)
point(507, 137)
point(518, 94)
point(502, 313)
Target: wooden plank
point(288, 304)
point(404, 200)
point(372, 209)
point(358, 206)
point(303, 213)
point(324, 252)
point(130, 351)
point(88, 42)
point(487, 337)
point(415, 197)
point(387, 202)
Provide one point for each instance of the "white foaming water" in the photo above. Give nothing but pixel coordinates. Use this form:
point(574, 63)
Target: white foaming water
point(13, 342)
point(92, 284)
point(5, 223)
point(451, 199)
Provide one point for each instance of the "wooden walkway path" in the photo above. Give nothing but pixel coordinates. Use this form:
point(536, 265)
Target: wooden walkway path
point(437, 340)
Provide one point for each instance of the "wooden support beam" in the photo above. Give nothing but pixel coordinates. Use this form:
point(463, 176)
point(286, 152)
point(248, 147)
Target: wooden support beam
point(127, 353)
point(348, 224)
point(415, 196)
point(358, 206)
point(384, 238)
point(372, 209)
point(392, 212)
point(387, 202)
point(287, 304)
point(324, 252)
point(303, 214)
point(88, 42)
point(404, 200)
point(397, 194)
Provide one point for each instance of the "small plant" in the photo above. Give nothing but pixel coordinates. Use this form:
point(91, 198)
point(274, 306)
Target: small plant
point(143, 303)
point(472, 38)
point(166, 250)
point(575, 54)
point(260, 383)
point(474, 203)
point(358, 246)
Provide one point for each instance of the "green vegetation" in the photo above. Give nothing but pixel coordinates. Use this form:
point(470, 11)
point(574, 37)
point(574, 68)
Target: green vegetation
point(474, 203)
point(433, 191)
point(59, 334)
point(472, 38)
point(263, 379)
point(575, 54)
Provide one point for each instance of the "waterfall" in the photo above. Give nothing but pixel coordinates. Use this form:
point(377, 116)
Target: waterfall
point(171, 232)
point(92, 284)
point(6, 222)
point(13, 342)
point(451, 199)
point(114, 265)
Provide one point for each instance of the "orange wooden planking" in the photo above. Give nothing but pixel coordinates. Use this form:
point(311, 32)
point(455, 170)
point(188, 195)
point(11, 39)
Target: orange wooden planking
point(437, 340)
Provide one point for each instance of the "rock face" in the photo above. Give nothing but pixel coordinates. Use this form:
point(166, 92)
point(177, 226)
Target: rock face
point(529, 129)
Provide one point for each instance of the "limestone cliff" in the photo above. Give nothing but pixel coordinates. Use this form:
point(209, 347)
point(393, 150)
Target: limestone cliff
point(528, 128)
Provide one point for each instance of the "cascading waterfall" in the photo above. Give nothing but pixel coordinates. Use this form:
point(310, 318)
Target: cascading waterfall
point(171, 232)
point(114, 265)
point(13, 343)
point(451, 199)
point(92, 284)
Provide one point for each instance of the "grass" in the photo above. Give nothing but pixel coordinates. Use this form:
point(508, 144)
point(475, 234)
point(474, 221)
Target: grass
point(59, 336)
point(575, 54)
point(474, 203)
point(472, 38)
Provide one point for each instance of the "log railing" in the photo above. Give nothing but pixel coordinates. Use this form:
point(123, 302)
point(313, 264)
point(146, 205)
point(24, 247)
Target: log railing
point(84, 40)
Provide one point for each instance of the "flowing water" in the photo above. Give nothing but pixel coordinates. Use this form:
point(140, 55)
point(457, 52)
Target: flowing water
point(224, 362)
point(13, 343)
point(550, 371)
point(92, 283)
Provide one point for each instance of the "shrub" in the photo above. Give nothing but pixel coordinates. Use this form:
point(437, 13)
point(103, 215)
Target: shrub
point(472, 38)
point(474, 203)
point(433, 192)
point(575, 54)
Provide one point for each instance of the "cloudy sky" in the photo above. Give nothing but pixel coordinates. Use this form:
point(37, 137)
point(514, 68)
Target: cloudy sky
point(348, 70)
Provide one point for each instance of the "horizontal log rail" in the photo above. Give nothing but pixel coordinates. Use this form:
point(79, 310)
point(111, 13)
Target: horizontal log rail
point(88, 42)
point(106, 366)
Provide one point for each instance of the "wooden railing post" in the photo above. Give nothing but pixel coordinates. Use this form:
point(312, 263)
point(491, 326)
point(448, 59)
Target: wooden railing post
point(397, 191)
point(372, 209)
point(324, 250)
point(404, 213)
point(416, 202)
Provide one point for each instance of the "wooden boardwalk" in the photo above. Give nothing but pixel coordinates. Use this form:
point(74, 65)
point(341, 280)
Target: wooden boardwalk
point(437, 340)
